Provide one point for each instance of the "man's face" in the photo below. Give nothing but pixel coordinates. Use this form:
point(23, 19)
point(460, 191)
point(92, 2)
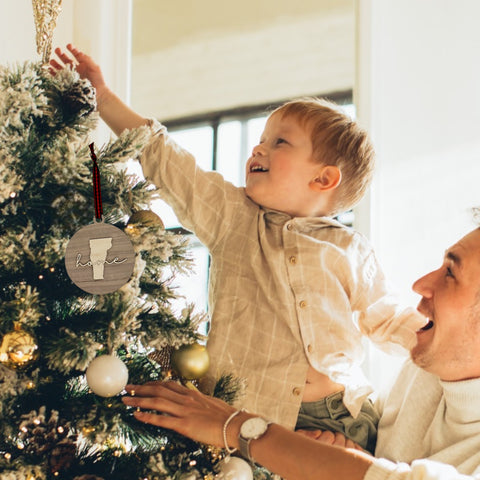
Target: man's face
point(449, 345)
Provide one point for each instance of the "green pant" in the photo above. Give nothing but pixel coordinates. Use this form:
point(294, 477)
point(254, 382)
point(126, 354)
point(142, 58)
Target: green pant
point(331, 414)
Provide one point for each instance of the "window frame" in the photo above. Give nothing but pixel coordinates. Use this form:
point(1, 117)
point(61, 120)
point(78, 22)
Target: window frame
point(242, 114)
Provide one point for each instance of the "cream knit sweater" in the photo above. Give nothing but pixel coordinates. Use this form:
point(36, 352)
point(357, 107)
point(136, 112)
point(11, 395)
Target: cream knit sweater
point(429, 429)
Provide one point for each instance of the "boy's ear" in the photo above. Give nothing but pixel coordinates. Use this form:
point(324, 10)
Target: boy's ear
point(327, 178)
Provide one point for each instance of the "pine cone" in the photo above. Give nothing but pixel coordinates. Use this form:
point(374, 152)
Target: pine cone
point(162, 357)
point(78, 100)
point(62, 456)
point(48, 437)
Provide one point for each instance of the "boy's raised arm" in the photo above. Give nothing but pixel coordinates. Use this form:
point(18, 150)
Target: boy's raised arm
point(116, 114)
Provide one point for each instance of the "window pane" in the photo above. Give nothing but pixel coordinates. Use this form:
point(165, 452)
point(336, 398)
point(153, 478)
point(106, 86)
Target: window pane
point(199, 142)
point(255, 129)
point(230, 154)
point(192, 288)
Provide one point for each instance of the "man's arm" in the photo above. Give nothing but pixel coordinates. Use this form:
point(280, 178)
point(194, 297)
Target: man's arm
point(282, 451)
point(116, 114)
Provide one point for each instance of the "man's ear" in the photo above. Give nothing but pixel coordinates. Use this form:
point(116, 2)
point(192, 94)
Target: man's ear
point(327, 178)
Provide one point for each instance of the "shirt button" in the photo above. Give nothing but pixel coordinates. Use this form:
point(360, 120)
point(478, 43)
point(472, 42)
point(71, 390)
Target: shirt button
point(297, 391)
point(293, 260)
point(310, 348)
point(289, 226)
point(302, 304)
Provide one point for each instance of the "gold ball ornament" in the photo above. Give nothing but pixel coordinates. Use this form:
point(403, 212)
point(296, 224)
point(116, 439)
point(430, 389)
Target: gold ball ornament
point(19, 349)
point(190, 362)
point(145, 218)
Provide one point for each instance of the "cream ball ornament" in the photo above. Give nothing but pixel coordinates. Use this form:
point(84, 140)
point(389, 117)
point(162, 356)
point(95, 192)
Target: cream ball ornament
point(107, 375)
point(235, 468)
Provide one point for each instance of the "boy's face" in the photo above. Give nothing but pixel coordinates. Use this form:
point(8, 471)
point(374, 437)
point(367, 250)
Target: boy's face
point(281, 167)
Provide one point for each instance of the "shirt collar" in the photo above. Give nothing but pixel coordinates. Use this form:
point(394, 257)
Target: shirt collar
point(303, 223)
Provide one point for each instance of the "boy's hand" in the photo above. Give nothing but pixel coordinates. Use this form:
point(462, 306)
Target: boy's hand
point(116, 114)
point(83, 64)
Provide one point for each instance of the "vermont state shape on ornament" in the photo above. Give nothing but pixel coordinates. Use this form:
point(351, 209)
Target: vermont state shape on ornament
point(99, 258)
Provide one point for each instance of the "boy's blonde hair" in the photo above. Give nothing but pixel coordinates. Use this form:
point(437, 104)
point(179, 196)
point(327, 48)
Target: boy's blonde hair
point(336, 140)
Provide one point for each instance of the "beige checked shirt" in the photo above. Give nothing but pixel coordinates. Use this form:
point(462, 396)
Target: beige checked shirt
point(283, 290)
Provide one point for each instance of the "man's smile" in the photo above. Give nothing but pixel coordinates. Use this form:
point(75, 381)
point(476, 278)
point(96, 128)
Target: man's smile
point(428, 326)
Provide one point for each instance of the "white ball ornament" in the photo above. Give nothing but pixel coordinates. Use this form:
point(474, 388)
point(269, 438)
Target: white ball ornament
point(235, 468)
point(107, 375)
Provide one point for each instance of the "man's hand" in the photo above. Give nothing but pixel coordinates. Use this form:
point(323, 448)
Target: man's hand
point(189, 412)
point(330, 438)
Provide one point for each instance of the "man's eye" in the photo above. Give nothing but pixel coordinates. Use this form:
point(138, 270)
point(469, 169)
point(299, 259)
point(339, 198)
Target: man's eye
point(449, 273)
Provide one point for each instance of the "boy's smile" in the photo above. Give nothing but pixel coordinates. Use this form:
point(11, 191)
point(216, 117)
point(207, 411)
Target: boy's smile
point(256, 167)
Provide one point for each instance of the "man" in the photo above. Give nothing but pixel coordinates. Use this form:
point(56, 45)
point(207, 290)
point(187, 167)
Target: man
point(430, 421)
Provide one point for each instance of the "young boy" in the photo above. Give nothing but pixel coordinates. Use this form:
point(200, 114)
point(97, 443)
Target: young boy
point(285, 278)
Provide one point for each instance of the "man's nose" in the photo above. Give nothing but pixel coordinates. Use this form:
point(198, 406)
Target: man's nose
point(424, 286)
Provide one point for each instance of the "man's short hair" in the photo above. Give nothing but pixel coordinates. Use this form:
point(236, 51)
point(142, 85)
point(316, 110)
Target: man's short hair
point(337, 140)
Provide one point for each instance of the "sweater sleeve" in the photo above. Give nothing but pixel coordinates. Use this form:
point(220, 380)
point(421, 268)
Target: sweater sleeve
point(383, 469)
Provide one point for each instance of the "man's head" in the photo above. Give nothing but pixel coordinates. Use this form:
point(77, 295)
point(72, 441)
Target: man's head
point(449, 345)
point(336, 141)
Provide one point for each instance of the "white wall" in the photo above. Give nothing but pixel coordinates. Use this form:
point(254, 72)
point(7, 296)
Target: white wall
point(208, 59)
point(17, 30)
point(418, 93)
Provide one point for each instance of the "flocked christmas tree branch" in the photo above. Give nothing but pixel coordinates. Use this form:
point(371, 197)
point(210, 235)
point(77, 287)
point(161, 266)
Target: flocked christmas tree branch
point(53, 425)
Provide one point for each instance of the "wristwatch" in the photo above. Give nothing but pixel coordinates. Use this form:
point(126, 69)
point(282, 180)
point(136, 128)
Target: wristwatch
point(251, 429)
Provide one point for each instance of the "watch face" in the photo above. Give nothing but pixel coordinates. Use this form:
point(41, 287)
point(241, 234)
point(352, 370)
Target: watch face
point(253, 427)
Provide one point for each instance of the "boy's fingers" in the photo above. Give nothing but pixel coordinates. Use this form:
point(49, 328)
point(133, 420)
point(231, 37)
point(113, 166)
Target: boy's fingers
point(55, 64)
point(63, 57)
point(75, 52)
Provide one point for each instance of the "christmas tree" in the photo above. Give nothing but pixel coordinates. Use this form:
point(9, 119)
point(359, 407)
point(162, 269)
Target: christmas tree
point(59, 416)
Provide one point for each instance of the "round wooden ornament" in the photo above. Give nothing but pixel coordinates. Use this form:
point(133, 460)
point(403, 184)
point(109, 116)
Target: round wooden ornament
point(99, 258)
